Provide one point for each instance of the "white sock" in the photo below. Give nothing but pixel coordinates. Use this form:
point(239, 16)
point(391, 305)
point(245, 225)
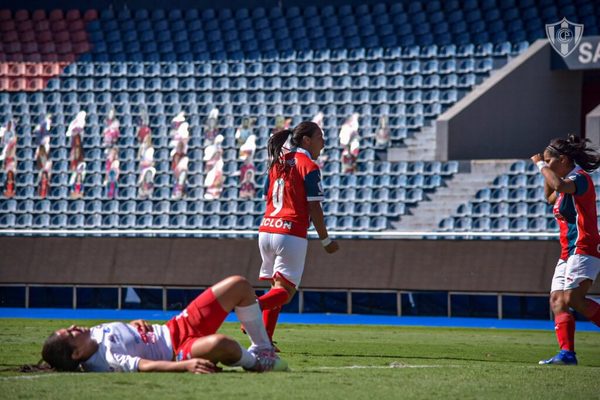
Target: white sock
point(247, 361)
point(251, 317)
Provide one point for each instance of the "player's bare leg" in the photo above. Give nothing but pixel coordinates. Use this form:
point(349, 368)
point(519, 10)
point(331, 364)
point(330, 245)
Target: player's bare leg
point(576, 298)
point(217, 348)
point(236, 293)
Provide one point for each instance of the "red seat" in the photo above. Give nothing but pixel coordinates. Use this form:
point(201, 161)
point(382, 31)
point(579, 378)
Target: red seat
point(62, 36)
point(56, 15)
point(50, 57)
point(50, 69)
point(90, 15)
point(78, 36)
point(34, 84)
point(21, 15)
point(42, 25)
point(38, 15)
point(33, 57)
point(64, 48)
point(17, 84)
point(4, 84)
point(12, 47)
point(24, 26)
point(5, 15)
point(15, 69)
point(29, 47)
point(81, 47)
point(33, 69)
point(44, 37)
point(47, 48)
point(8, 25)
point(58, 25)
point(72, 15)
point(10, 36)
point(27, 36)
point(15, 57)
point(76, 25)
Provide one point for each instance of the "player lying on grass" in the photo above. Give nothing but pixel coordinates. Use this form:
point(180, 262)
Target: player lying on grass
point(187, 342)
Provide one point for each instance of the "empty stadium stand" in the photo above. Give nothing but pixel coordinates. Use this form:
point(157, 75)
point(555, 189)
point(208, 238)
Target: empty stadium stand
point(408, 60)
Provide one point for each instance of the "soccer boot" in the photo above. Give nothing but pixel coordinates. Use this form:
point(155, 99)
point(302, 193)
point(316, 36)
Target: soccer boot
point(564, 357)
point(267, 360)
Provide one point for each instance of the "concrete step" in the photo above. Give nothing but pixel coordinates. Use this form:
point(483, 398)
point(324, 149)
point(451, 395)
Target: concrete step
point(444, 202)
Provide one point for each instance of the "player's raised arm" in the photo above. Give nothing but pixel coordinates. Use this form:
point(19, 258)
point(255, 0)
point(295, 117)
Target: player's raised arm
point(552, 182)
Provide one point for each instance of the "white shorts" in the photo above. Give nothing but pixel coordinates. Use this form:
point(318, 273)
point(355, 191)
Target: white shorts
point(282, 255)
point(578, 267)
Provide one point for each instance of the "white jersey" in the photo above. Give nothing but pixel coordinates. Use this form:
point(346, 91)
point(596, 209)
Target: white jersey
point(120, 347)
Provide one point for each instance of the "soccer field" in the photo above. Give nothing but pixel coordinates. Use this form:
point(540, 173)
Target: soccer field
point(333, 362)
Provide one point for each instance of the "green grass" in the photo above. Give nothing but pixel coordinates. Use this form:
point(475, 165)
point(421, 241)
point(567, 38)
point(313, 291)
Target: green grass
point(333, 362)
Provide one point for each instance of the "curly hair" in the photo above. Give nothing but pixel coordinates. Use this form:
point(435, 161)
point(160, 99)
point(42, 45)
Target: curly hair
point(576, 149)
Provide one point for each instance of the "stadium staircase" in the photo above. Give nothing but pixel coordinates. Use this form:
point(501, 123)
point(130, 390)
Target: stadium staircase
point(426, 216)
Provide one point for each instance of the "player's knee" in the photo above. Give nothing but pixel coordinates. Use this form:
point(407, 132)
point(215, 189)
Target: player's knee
point(224, 347)
point(557, 302)
point(239, 282)
point(290, 295)
point(573, 300)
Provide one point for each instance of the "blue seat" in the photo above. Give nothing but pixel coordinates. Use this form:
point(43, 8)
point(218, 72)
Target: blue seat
point(519, 224)
point(58, 221)
point(76, 221)
point(110, 221)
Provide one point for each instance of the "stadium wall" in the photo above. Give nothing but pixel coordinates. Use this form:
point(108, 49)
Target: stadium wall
point(508, 266)
point(515, 112)
point(592, 126)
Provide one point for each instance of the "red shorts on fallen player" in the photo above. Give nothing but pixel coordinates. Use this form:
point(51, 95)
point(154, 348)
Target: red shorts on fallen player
point(202, 317)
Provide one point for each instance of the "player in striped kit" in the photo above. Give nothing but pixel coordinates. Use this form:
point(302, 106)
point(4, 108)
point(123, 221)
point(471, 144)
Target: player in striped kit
point(293, 193)
point(565, 165)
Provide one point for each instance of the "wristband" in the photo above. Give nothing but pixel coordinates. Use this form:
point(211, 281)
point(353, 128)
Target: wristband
point(541, 164)
point(326, 242)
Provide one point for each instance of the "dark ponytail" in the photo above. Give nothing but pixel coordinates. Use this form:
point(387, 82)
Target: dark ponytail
point(276, 143)
point(577, 149)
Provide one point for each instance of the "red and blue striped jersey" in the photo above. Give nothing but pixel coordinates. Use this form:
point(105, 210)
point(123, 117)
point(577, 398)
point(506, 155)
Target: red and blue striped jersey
point(577, 217)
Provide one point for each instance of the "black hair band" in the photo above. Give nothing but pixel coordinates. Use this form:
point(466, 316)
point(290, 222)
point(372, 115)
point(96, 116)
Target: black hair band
point(550, 147)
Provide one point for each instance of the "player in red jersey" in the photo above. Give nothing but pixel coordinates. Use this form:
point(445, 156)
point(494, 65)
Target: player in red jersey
point(294, 193)
point(570, 189)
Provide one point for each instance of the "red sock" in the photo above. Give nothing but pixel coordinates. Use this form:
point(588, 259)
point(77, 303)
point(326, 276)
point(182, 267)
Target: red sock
point(270, 320)
point(564, 324)
point(592, 311)
point(276, 297)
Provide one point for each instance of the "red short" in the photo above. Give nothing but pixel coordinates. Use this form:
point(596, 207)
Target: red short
point(202, 317)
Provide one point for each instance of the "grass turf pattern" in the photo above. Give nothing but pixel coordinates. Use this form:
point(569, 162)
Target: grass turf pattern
point(333, 362)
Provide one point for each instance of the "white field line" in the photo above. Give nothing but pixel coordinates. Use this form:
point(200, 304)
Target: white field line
point(390, 366)
point(36, 376)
